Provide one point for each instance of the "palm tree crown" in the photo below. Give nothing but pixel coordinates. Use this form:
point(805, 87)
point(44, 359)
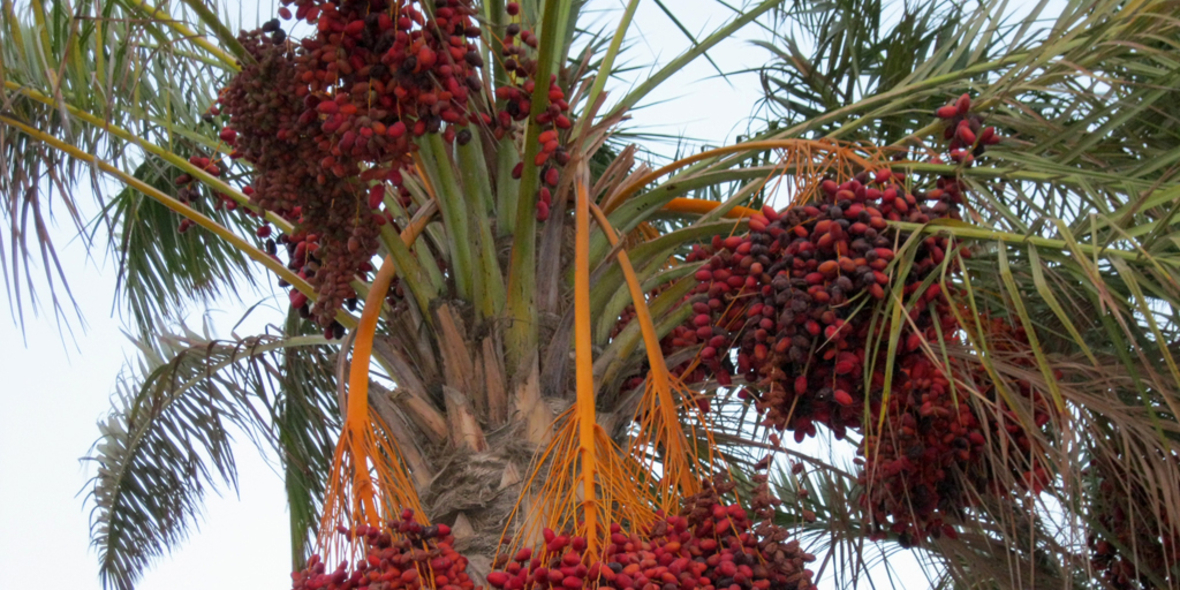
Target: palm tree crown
point(521, 352)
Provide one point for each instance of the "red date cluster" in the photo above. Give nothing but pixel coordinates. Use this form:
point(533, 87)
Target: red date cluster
point(909, 466)
point(796, 296)
point(802, 297)
point(380, 69)
point(335, 233)
point(799, 307)
point(328, 123)
point(932, 447)
point(405, 555)
point(189, 193)
point(967, 136)
point(710, 545)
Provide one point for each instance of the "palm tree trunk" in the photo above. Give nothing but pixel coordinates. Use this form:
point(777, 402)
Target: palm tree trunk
point(468, 437)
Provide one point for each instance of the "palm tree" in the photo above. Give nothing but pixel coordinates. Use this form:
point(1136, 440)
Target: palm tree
point(560, 334)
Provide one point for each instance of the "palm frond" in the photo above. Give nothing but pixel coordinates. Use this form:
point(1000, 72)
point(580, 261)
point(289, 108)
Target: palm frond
point(129, 70)
point(161, 268)
point(170, 438)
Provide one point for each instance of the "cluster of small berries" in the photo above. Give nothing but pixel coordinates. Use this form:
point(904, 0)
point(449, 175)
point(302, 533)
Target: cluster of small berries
point(710, 545)
point(404, 555)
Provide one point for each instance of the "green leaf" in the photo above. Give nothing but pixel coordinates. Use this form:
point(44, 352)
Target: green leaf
point(169, 438)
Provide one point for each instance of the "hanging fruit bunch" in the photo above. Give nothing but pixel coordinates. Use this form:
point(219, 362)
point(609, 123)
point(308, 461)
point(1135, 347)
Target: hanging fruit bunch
point(403, 555)
point(795, 297)
point(710, 545)
point(1010, 343)
point(929, 459)
point(327, 122)
point(910, 465)
point(802, 303)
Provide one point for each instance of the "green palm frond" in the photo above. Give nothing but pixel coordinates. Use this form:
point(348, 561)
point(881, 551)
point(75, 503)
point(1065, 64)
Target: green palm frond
point(127, 71)
point(170, 437)
point(832, 55)
point(305, 417)
point(162, 269)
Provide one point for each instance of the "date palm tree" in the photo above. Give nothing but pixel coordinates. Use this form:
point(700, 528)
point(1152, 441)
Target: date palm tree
point(507, 318)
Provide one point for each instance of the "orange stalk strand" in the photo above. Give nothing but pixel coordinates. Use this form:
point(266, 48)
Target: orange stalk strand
point(356, 432)
point(357, 420)
point(583, 340)
point(701, 207)
point(676, 448)
point(554, 449)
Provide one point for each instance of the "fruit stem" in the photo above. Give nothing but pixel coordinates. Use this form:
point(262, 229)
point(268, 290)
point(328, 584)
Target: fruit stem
point(357, 418)
point(586, 417)
point(697, 206)
point(673, 442)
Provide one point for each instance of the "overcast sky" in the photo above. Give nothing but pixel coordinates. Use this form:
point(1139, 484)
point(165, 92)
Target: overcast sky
point(57, 385)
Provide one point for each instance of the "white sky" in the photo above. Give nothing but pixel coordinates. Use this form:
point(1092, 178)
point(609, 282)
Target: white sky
point(56, 391)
